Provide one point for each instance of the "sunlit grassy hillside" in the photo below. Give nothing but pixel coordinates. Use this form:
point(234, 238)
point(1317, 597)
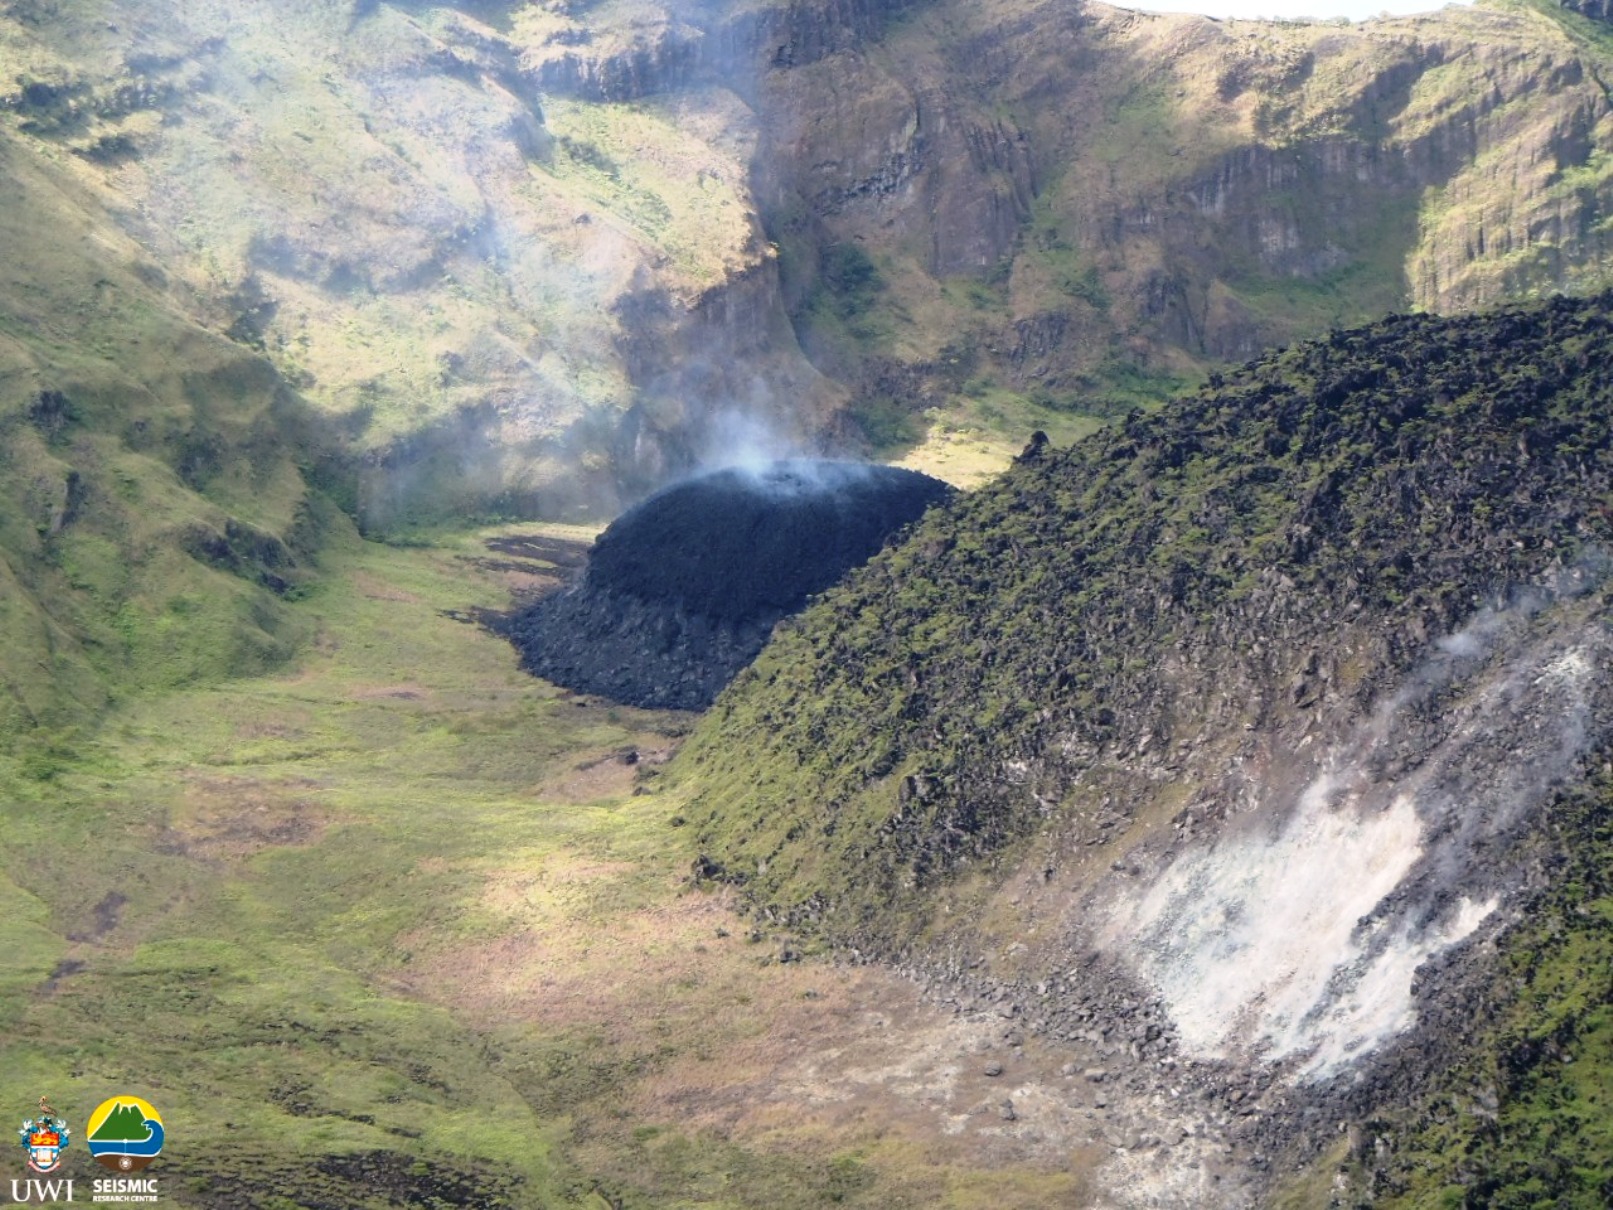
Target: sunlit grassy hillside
point(399, 923)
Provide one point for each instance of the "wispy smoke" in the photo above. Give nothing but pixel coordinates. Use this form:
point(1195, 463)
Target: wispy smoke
point(1458, 655)
point(777, 461)
point(745, 439)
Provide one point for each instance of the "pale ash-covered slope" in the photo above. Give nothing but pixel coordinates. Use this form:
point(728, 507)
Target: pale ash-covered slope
point(1221, 746)
point(503, 300)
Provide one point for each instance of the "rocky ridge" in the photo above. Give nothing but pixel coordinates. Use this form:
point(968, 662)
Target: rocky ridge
point(1238, 736)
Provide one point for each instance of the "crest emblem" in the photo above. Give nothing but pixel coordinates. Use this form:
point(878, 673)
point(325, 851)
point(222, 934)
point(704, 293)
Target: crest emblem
point(44, 1139)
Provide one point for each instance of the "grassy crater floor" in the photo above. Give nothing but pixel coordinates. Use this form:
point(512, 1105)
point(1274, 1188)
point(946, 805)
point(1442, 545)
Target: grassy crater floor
point(400, 925)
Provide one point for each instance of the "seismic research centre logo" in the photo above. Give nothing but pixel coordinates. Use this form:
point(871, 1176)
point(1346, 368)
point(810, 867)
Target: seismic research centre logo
point(124, 1134)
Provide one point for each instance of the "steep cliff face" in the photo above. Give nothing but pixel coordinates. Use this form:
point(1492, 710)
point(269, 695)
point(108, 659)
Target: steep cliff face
point(479, 287)
point(1135, 191)
point(1063, 209)
point(1593, 9)
point(538, 258)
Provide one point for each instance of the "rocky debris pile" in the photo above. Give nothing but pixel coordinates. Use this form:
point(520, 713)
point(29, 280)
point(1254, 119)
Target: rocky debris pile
point(683, 590)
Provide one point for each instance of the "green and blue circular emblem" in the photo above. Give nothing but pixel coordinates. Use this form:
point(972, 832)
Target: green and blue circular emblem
point(124, 1134)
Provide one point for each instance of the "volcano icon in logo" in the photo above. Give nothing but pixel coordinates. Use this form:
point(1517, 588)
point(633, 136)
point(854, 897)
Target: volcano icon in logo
point(124, 1134)
point(44, 1138)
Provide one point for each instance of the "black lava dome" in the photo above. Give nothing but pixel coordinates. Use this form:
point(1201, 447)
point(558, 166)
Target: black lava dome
point(683, 590)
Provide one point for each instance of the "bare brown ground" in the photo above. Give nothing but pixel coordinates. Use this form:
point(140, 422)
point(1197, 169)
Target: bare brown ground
point(406, 692)
point(530, 566)
point(271, 729)
point(603, 777)
point(767, 1053)
point(525, 587)
point(377, 589)
point(227, 818)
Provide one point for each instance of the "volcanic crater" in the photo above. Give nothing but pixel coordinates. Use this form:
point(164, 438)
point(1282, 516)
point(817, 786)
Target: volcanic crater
point(683, 590)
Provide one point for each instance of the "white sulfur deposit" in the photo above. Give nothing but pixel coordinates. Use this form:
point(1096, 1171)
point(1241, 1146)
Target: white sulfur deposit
point(1298, 932)
point(1378, 1004)
point(1244, 939)
point(1255, 942)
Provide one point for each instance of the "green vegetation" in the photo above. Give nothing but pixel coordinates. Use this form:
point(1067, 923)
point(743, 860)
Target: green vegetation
point(851, 279)
point(225, 893)
point(204, 874)
point(845, 316)
point(1524, 1118)
point(1587, 32)
point(400, 922)
point(1117, 387)
point(885, 424)
point(156, 521)
point(1142, 129)
point(860, 763)
point(370, 915)
point(642, 166)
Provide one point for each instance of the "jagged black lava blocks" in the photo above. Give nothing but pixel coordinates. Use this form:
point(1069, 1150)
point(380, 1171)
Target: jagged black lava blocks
point(683, 590)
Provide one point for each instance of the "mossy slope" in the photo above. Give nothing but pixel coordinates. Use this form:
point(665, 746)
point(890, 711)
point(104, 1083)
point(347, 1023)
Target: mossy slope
point(154, 513)
point(945, 756)
point(944, 702)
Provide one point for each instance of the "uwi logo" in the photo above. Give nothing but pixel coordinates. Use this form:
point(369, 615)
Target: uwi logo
point(124, 1134)
point(43, 1138)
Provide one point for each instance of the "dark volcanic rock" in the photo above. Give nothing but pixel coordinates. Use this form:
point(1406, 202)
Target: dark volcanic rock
point(683, 590)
